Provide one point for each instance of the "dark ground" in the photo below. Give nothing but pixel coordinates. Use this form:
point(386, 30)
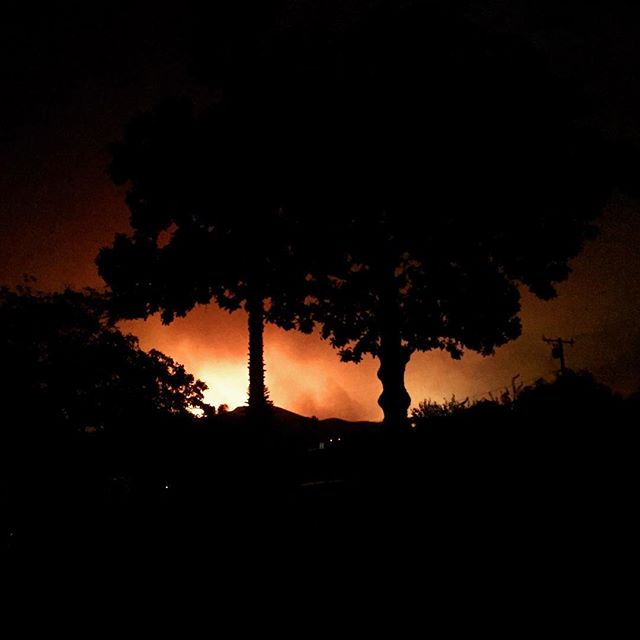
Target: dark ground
point(238, 496)
point(485, 520)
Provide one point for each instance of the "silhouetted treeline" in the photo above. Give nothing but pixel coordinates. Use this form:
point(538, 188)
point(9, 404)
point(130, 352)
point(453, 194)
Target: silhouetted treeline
point(573, 427)
point(66, 367)
point(571, 402)
point(557, 456)
point(392, 173)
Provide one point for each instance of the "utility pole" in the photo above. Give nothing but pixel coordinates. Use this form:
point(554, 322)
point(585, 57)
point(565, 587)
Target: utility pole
point(557, 350)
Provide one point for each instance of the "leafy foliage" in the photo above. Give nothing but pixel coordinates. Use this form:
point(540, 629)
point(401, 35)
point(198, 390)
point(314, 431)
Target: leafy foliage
point(206, 195)
point(576, 396)
point(453, 170)
point(405, 174)
point(65, 364)
point(429, 409)
point(447, 170)
point(569, 401)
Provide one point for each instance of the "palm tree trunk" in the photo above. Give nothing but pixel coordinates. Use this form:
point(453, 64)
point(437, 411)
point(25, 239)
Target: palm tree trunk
point(257, 390)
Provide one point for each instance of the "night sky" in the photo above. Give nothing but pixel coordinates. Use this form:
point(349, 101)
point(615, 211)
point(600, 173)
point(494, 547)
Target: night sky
point(73, 75)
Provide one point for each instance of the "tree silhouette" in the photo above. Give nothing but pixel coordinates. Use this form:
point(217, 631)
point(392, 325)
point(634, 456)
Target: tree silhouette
point(205, 201)
point(65, 365)
point(404, 174)
point(447, 168)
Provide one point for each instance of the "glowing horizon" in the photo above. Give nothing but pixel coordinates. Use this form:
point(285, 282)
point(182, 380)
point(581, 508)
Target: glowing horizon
point(304, 374)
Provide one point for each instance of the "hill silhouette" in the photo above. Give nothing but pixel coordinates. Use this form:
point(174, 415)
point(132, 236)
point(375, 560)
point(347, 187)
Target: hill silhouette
point(309, 429)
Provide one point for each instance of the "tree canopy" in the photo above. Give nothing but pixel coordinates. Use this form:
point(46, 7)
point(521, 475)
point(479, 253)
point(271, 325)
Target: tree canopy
point(205, 193)
point(446, 168)
point(405, 173)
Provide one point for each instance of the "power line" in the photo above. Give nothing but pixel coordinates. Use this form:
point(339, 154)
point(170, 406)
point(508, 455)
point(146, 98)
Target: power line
point(557, 350)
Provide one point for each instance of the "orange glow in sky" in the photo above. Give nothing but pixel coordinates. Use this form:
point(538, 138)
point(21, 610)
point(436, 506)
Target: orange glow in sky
point(597, 307)
point(65, 101)
point(304, 374)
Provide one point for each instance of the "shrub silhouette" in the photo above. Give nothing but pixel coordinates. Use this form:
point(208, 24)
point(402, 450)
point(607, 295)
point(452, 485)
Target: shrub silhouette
point(67, 366)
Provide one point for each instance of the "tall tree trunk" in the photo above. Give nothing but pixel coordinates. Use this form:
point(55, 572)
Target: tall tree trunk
point(394, 399)
point(393, 357)
point(257, 390)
